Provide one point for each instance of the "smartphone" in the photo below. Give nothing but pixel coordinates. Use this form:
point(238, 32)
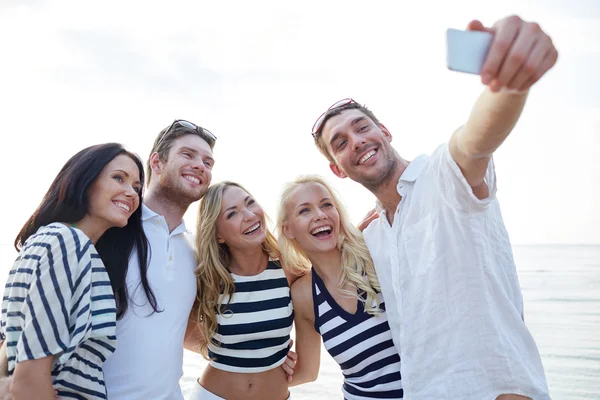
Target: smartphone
point(467, 50)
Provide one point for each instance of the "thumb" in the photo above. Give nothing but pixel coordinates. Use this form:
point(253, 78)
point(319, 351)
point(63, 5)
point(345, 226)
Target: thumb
point(476, 25)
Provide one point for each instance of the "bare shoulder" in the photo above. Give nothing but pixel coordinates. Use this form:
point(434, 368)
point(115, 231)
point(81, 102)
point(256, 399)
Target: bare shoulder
point(302, 297)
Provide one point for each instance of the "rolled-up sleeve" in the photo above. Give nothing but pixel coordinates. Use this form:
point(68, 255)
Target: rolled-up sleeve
point(453, 186)
point(49, 300)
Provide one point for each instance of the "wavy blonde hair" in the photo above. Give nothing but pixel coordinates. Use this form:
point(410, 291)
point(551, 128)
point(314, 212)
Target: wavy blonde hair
point(214, 258)
point(357, 266)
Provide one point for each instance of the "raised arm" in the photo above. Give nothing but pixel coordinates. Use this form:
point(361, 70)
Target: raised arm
point(521, 53)
point(308, 340)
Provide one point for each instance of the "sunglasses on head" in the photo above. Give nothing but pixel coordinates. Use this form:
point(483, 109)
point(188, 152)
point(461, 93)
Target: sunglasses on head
point(319, 123)
point(188, 125)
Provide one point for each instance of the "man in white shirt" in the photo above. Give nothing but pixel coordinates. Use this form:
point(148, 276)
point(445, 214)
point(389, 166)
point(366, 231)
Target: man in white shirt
point(148, 362)
point(440, 248)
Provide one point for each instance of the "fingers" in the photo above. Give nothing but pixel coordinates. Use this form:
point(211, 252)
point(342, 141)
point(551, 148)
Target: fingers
point(370, 217)
point(292, 356)
point(520, 54)
point(476, 25)
point(506, 34)
point(531, 64)
point(289, 370)
point(547, 63)
point(512, 67)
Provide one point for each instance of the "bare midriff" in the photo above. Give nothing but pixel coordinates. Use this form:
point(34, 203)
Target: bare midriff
point(267, 385)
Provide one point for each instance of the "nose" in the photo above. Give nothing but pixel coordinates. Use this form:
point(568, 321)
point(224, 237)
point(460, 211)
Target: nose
point(248, 214)
point(199, 165)
point(319, 214)
point(130, 191)
point(357, 141)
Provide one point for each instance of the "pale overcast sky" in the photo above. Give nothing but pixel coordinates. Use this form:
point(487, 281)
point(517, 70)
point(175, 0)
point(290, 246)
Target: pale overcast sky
point(258, 73)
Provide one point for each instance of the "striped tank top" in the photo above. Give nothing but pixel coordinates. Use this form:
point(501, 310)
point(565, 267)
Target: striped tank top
point(253, 333)
point(361, 344)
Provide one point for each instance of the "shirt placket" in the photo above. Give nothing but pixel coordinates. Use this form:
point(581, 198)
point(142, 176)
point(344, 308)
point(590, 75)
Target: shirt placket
point(397, 272)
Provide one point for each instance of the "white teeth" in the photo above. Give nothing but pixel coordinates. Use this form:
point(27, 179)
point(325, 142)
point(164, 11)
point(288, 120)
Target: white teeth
point(321, 229)
point(252, 228)
point(192, 179)
point(123, 206)
point(366, 157)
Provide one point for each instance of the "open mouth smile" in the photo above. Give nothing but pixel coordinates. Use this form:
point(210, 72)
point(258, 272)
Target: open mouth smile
point(322, 231)
point(367, 156)
point(252, 229)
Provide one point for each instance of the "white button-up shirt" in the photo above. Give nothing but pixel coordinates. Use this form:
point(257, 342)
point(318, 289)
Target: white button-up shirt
point(451, 289)
point(148, 362)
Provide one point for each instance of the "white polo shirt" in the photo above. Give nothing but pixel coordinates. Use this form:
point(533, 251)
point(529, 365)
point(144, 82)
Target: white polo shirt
point(148, 362)
point(451, 289)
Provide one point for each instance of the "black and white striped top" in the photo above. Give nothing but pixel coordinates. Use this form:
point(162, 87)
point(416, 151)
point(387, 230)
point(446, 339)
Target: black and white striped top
point(361, 344)
point(58, 302)
point(253, 334)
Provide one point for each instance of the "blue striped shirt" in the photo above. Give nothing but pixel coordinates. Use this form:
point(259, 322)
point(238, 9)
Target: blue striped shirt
point(253, 333)
point(361, 344)
point(58, 302)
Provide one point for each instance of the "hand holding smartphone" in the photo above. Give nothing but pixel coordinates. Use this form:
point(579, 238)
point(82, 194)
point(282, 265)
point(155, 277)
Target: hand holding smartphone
point(467, 50)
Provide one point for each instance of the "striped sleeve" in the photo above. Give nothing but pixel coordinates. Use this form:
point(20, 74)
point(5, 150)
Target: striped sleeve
point(54, 293)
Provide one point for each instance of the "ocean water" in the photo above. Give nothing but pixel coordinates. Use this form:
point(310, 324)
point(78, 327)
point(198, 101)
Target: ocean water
point(561, 290)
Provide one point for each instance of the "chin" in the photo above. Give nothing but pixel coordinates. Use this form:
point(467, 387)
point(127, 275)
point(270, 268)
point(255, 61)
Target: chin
point(119, 222)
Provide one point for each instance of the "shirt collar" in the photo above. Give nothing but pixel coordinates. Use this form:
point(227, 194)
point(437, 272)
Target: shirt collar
point(410, 175)
point(148, 214)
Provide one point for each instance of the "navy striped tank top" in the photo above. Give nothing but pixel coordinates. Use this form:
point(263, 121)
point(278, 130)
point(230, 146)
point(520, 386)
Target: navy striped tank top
point(253, 333)
point(361, 344)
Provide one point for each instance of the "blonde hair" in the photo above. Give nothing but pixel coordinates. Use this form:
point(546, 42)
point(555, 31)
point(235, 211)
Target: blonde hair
point(214, 258)
point(357, 266)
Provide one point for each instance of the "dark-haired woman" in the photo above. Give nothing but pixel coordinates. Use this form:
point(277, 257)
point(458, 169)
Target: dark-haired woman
point(66, 289)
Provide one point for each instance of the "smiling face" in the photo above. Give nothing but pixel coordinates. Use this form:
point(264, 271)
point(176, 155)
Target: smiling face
point(115, 194)
point(361, 149)
point(312, 219)
point(241, 222)
point(186, 174)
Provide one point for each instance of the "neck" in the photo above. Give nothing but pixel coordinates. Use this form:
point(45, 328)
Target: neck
point(92, 229)
point(164, 205)
point(387, 192)
point(248, 261)
point(328, 265)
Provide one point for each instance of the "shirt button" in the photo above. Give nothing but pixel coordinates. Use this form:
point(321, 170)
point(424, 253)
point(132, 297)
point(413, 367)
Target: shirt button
point(170, 258)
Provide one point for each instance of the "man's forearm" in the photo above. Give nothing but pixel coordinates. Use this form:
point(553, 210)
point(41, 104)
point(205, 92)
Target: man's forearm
point(493, 117)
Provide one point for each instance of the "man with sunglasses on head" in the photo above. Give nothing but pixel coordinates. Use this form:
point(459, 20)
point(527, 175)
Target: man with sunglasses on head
point(148, 362)
point(441, 250)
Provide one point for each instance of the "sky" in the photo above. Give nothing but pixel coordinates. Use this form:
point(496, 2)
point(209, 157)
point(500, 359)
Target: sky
point(258, 74)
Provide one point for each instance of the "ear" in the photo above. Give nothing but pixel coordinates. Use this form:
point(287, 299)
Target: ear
point(287, 232)
point(337, 171)
point(386, 133)
point(155, 163)
point(220, 240)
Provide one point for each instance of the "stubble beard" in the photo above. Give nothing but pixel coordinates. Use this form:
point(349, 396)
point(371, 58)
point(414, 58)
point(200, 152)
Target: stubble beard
point(378, 181)
point(173, 191)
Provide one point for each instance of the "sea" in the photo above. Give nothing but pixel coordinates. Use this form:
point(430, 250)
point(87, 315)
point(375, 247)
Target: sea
point(561, 291)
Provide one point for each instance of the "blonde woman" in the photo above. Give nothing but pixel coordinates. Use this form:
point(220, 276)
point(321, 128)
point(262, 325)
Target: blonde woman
point(339, 298)
point(244, 304)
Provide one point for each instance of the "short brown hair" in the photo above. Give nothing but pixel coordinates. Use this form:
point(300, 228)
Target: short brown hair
point(162, 144)
point(321, 145)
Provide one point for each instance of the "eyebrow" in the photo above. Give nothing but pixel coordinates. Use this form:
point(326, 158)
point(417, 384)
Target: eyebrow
point(233, 207)
point(185, 148)
point(308, 204)
point(337, 134)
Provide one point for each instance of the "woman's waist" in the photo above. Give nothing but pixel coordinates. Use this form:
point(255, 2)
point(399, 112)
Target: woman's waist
point(270, 384)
